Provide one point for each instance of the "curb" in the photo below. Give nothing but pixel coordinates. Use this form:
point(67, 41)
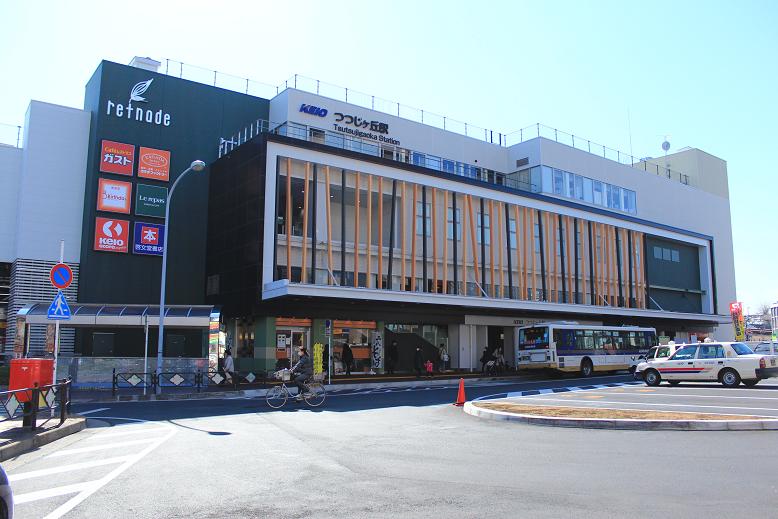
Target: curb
point(72, 425)
point(624, 423)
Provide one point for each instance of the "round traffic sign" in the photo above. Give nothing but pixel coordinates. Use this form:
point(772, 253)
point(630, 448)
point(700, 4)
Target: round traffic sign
point(61, 276)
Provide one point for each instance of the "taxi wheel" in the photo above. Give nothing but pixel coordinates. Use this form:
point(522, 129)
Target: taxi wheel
point(729, 378)
point(652, 377)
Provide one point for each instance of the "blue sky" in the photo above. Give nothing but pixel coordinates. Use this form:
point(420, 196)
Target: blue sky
point(703, 73)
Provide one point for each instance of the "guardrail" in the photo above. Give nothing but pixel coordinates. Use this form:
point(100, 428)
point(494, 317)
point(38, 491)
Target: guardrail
point(193, 379)
point(31, 401)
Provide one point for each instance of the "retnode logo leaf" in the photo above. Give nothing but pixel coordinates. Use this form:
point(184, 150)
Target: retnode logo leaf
point(138, 89)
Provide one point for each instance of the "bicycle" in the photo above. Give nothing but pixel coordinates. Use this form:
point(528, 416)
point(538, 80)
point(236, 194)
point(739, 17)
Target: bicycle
point(277, 396)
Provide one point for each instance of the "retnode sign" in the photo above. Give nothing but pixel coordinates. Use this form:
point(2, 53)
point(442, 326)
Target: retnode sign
point(114, 196)
point(111, 235)
point(138, 112)
point(154, 164)
point(117, 157)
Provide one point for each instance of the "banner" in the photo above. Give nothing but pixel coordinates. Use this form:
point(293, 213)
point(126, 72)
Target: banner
point(150, 200)
point(113, 196)
point(116, 157)
point(378, 350)
point(154, 164)
point(738, 321)
point(318, 358)
point(149, 239)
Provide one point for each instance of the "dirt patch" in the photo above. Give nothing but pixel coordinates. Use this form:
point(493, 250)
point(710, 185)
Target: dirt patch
point(604, 414)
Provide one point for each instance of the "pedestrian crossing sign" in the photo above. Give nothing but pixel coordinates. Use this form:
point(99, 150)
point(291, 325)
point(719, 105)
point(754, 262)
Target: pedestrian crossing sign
point(59, 309)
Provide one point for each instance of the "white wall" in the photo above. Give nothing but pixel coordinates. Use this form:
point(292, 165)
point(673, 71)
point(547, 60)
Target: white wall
point(51, 191)
point(10, 178)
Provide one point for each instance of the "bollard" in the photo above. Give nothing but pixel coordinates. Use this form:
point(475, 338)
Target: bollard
point(36, 392)
point(113, 383)
point(64, 400)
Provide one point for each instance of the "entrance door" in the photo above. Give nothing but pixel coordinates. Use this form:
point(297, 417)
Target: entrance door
point(289, 340)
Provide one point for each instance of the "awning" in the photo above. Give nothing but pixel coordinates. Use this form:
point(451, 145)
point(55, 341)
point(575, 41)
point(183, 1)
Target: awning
point(195, 316)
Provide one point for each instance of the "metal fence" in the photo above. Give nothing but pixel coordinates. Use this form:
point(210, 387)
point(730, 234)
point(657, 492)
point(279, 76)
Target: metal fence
point(197, 380)
point(29, 404)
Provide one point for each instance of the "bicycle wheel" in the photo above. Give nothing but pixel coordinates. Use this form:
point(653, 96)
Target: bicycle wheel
point(276, 396)
point(315, 395)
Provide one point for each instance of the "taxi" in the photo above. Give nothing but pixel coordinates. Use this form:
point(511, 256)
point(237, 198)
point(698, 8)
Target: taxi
point(729, 363)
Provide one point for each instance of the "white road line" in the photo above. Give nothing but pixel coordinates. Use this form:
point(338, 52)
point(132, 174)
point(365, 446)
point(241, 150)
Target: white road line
point(96, 485)
point(80, 450)
point(66, 468)
point(51, 492)
point(111, 434)
point(94, 410)
point(775, 398)
point(594, 402)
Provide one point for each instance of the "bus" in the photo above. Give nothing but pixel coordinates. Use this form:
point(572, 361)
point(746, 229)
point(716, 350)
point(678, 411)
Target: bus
point(583, 348)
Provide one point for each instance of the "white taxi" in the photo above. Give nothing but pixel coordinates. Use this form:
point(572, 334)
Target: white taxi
point(725, 362)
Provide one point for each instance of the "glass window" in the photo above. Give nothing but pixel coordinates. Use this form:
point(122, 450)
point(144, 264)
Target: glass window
point(598, 193)
point(657, 252)
point(449, 166)
point(531, 338)
point(676, 257)
point(512, 232)
point(685, 353)
point(450, 226)
point(666, 254)
point(559, 184)
point(662, 352)
point(420, 218)
point(546, 177)
point(483, 219)
point(418, 159)
point(615, 197)
point(570, 184)
point(711, 351)
point(587, 190)
point(741, 349)
point(579, 187)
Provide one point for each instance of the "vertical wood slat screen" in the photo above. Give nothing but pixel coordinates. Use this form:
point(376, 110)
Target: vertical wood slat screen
point(369, 238)
point(356, 230)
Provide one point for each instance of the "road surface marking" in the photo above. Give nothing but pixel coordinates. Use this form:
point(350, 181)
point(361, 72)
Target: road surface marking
point(51, 492)
point(94, 410)
point(103, 447)
point(66, 468)
point(137, 430)
point(96, 485)
point(659, 405)
point(692, 395)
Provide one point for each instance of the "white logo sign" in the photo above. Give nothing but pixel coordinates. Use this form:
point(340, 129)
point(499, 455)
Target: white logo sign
point(144, 115)
point(110, 227)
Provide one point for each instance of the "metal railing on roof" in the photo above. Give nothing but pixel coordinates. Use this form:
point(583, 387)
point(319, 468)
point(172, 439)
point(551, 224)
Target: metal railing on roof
point(247, 86)
point(11, 135)
point(575, 141)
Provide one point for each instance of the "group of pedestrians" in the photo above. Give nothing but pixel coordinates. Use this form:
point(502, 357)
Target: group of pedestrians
point(492, 362)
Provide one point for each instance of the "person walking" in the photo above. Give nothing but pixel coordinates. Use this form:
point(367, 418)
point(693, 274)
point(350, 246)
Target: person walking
point(347, 356)
point(391, 358)
point(442, 357)
point(229, 366)
point(418, 361)
point(485, 357)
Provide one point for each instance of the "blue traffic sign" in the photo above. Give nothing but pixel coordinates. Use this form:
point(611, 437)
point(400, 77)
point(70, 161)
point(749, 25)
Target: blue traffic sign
point(59, 309)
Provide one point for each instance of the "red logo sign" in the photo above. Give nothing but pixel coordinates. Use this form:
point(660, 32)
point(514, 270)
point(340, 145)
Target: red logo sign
point(154, 164)
point(117, 157)
point(113, 196)
point(149, 235)
point(111, 235)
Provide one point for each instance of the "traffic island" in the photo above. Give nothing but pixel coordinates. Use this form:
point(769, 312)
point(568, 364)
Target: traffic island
point(18, 440)
point(603, 418)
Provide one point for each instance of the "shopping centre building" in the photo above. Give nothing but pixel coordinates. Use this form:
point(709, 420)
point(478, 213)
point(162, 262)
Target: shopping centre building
point(343, 218)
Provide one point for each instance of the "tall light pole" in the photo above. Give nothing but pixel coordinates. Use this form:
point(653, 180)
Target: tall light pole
point(197, 165)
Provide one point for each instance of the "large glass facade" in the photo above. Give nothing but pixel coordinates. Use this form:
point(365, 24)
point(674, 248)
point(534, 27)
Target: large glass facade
point(349, 228)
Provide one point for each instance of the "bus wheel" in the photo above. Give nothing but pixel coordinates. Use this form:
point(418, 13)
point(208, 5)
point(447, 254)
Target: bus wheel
point(587, 368)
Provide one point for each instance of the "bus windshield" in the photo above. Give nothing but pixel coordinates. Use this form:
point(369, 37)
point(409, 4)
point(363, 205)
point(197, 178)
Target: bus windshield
point(532, 338)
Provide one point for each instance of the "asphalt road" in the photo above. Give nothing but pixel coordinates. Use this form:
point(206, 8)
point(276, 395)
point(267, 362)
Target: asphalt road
point(386, 454)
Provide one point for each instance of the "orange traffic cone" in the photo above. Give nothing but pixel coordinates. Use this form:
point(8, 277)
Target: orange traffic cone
point(461, 395)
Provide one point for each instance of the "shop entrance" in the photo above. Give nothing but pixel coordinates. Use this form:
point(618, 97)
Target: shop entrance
point(288, 340)
point(496, 338)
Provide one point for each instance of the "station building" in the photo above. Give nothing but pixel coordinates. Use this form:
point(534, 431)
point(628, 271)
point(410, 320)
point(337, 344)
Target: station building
point(320, 219)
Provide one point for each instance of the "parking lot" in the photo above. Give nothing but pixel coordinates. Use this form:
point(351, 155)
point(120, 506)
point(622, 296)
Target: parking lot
point(699, 398)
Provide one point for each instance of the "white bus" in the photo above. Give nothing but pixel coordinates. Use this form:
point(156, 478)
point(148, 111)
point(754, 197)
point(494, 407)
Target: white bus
point(569, 346)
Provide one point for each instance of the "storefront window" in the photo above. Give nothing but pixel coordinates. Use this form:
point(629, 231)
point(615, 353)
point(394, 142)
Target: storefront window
point(359, 335)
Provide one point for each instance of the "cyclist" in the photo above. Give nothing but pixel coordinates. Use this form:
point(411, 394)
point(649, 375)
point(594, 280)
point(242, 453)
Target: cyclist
point(304, 371)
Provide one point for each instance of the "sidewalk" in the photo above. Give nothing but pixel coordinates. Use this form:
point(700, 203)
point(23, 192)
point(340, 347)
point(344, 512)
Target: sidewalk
point(360, 381)
point(16, 439)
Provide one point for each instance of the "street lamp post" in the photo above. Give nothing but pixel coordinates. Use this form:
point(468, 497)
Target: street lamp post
point(197, 165)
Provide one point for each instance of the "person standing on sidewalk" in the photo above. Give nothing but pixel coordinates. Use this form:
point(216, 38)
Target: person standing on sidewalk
point(229, 366)
point(347, 356)
point(418, 361)
point(391, 358)
point(442, 355)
